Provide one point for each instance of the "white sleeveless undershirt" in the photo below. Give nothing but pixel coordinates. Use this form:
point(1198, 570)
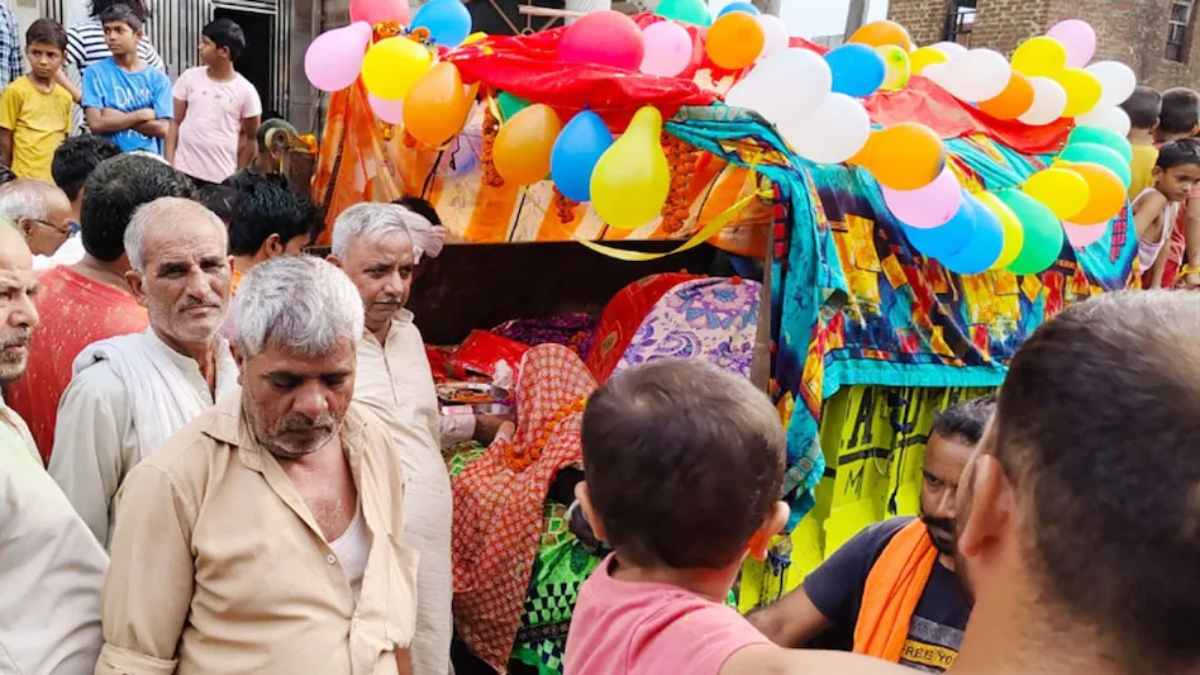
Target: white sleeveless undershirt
point(351, 549)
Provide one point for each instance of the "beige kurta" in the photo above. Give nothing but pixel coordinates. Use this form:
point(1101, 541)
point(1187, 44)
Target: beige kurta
point(218, 566)
point(395, 382)
point(106, 424)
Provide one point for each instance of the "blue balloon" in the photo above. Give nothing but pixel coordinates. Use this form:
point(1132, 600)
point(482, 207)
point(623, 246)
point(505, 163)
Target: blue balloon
point(448, 21)
point(984, 248)
point(948, 239)
point(746, 7)
point(857, 69)
point(576, 151)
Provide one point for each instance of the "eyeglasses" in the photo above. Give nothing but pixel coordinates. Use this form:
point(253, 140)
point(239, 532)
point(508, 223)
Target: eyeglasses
point(71, 229)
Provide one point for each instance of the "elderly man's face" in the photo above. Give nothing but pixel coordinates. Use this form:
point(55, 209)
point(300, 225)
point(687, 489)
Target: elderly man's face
point(45, 236)
point(18, 316)
point(185, 285)
point(382, 269)
point(296, 402)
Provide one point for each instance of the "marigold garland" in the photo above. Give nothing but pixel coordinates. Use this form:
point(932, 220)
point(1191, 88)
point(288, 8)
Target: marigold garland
point(490, 127)
point(681, 157)
point(564, 206)
point(519, 457)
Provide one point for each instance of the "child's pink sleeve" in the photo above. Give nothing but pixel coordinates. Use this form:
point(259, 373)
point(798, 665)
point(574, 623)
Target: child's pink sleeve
point(694, 638)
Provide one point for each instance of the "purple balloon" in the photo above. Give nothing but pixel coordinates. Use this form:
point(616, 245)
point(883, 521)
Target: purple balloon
point(1079, 39)
point(334, 59)
point(929, 206)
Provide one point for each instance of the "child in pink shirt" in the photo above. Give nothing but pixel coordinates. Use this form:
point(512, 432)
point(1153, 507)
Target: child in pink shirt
point(684, 467)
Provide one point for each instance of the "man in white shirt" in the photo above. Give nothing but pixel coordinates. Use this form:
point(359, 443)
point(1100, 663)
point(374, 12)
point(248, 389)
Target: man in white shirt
point(51, 568)
point(128, 394)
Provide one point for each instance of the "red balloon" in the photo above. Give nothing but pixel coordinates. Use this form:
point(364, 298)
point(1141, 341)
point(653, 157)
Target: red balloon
point(608, 38)
point(377, 11)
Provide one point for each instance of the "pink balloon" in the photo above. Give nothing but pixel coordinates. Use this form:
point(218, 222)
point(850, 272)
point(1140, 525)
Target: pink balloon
point(375, 11)
point(608, 38)
point(929, 206)
point(668, 49)
point(391, 112)
point(1082, 236)
point(1079, 39)
point(334, 59)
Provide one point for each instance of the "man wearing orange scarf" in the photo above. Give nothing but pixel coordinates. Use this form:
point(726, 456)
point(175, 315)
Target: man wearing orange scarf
point(892, 591)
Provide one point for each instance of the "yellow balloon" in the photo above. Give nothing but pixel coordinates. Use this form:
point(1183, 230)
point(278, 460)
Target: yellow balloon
point(475, 37)
point(632, 179)
point(897, 68)
point(1083, 91)
point(1014, 233)
point(1042, 56)
point(392, 66)
point(1061, 190)
point(925, 57)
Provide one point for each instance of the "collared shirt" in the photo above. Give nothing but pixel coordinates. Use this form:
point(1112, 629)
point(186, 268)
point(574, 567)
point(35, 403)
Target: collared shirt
point(218, 566)
point(12, 58)
point(394, 380)
point(14, 433)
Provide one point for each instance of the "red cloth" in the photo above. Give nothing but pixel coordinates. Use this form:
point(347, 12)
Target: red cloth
point(622, 316)
point(75, 311)
point(480, 352)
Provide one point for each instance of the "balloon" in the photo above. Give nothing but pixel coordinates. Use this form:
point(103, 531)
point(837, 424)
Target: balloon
point(436, 107)
point(925, 57)
point(1043, 233)
point(857, 69)
point(986, 245)
point(1106, 195)
point(929, 206)
point(833, 133)
point(746, 7)
point(333, 60)
point(668, 50)
point(607, 38)
point(510, 105)
point(1014, 231)
point(687, 11)
point(951, 49)
point(1083, 91)
point(1013, 101)
point(904, 156)
point(393, 65)
point(376, 11)
point(1043, 56)
point(952, 237)
point(1078, 38)
point(1062, 190)
point(976, 75)
point(1098, 154)
point(632, 179)
point(1082, 236)
point(775, 34)
point(391, 112)
point(1112, 118)
point(523, 145)
point(448, 21)
point(897, 69)
point(802, 73)
point(734, 41)
point(1117, 80)
point(580, 145)
point(879, 33)
point(1102, 136)
point(1049, 102)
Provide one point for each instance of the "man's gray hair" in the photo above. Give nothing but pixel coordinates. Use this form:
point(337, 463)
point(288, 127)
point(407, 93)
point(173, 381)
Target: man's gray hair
point(299, 303)
point(26, 198)
point(164, 212)
point(372, 219)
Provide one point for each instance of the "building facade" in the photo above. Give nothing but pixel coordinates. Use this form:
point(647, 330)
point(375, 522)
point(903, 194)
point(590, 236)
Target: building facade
point(1155, 37)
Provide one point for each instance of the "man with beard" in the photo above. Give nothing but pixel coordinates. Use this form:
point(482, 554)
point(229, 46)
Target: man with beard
point(892, 591)
point(130, 393)
point(262, 538)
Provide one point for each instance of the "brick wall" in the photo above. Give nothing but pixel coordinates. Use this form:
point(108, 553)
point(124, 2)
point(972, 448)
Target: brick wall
point(924, 19)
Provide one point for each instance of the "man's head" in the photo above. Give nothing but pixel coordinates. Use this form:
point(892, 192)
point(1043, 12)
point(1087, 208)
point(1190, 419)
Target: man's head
point(40, 211)
point(684, 466)
point(221, 41)
point(18, 315)
point(114, 191)
point(372, 244)
point(1180, 114)
point(45, 48)
point(74, 160)
point(298, 321)
point(179, 268)
point(1178, 168)
point(1082, 502)
point(1144, 106)
point(956, 431)
point(268, 221)
point(122, 29)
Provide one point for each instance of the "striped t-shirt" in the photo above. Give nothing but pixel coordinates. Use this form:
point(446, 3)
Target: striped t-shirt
point(86, 45)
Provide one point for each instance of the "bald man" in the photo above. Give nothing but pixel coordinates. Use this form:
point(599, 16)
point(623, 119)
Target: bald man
point(51, 568)
point(41, 212)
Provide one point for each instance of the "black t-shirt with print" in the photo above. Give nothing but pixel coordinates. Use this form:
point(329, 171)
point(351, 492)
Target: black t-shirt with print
point(836, 588)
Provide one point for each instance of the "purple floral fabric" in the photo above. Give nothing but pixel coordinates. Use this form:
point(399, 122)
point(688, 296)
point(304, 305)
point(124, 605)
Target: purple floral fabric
point(573, 330)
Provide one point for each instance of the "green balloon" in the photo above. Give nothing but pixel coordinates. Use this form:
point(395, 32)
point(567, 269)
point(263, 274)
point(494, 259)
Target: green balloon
point(1101, 136)
point(510, 105)
point(1043, 233)
point(688, 11)
point(1098, 154)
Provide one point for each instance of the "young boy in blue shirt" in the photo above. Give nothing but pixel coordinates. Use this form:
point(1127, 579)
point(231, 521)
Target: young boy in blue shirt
point(124, 99)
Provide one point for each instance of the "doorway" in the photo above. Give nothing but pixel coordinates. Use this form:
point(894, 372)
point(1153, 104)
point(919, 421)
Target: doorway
point(257, 62)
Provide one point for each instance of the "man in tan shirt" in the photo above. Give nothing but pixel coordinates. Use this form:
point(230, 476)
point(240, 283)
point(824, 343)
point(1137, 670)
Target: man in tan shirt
point(262, 538)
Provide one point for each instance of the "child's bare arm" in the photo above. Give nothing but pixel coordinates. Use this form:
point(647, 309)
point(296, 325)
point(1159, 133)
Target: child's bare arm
point(62, 78)
point(6, 146)
point(771, 660)
point(1147, 212)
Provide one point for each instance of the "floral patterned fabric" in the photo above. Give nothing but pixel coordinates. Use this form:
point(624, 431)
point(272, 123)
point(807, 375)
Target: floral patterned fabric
point(622, 316)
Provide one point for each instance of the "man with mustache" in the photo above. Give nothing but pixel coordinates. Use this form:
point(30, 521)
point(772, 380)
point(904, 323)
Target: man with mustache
point(265, 536)
point(131, 392)
point(51, 568)
point(892, 591)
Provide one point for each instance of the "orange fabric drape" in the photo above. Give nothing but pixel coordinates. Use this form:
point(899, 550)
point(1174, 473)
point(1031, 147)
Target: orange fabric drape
point(894, 587)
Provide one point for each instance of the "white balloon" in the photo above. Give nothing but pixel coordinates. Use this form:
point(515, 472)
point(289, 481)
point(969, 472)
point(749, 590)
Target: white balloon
point(785, 87)
point(833, 133)
point(1117, 80)
point(1049, 102)
point(1112, 118)
point(775, 35)
point(975, 75)
point(950, 49)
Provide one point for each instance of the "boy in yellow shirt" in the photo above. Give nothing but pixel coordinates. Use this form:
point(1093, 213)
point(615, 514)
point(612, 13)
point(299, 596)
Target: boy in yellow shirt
point(1143, 108)
point(35, 111)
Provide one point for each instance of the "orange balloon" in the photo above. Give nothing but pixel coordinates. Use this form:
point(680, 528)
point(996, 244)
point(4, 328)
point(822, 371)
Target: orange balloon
point(734, 41)
point(523, 145)
point(436, 108)
point(904, 156)
point(883, 32)
point(1107, 193)
point(1013, 101)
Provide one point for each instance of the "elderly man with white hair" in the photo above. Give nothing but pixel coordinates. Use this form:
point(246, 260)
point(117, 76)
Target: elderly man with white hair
point(264, 537)
point(41, 212)
point(129, 393)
